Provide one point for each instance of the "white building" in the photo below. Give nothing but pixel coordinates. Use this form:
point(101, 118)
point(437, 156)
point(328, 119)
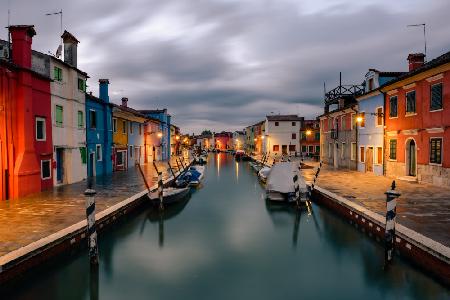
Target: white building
point(282, 134)
point(68, 115)
point(238, 140)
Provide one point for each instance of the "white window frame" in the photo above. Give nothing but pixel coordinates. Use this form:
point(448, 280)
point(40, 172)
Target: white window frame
point(124, 127)
point(44, 128)
point(50, 168)
point(98, 154)
point(390, 97)
point(353, 155)
point(376, 116)
point(409, 114)
point(442, 150)
point(342, 150)
point(364, 151)
point(343, 126)
point(124, 153)
point(114, 121)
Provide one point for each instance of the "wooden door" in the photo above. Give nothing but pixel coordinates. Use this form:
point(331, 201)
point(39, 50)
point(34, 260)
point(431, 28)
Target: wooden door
point(369, 159)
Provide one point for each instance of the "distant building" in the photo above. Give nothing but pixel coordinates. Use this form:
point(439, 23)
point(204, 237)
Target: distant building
point(281, 134)
point(165, 121)
point(254, 136)
point(338, 132)
point(371, 128)
point(418, 123)
point(99, 132)
point(222, 140)
point(152, 142)
point(310, 138)
point(238, 140)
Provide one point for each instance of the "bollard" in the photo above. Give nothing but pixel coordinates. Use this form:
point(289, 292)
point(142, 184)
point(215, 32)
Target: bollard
point(160, 190)
point(297, 190)
point(389, 233)
point(91, 231)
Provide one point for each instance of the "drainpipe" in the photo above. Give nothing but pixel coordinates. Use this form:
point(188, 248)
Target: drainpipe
point(356, 140)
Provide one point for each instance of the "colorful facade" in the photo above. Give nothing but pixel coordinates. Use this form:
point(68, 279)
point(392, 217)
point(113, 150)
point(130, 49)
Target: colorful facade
point(281, 135)
point(222, 140)
point(310, 138)
point(165, 121)
point(26, 133)
point(99, 132)
point(238, 140)
point(152, 142)
point(418, 121)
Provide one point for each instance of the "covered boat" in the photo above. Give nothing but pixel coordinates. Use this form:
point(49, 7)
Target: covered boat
point(191, 177)
point(263, 174)
point(239, 155)
point(281, 185)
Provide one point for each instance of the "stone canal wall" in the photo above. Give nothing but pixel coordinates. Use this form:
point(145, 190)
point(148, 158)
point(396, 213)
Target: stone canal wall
point(19, 262)
point(419, 249)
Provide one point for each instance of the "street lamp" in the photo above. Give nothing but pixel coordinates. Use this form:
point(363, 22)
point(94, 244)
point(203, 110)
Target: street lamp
point(359, 119)
point(308, 132)
point(177, 137)
point(160, 134)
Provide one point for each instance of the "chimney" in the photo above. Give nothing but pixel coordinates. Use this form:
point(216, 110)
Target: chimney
point(125, 102)
point(22, 38)
point(103, 89)
point(416, 60)
point(70, 48)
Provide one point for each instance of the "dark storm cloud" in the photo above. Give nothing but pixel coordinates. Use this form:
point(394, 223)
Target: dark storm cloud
point(224, 64)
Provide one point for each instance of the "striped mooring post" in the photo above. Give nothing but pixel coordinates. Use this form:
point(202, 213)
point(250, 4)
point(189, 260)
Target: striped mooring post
point(160, 190)
point(297, 190)
point(89, 193)
point(389, 233)
point(315, 178)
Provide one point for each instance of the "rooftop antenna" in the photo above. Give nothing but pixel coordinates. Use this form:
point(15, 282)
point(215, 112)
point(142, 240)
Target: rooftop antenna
point(424, 35)
point(60, 13)
point(9, 34)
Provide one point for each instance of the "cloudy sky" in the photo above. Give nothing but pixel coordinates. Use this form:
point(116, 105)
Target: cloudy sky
point(225, 64)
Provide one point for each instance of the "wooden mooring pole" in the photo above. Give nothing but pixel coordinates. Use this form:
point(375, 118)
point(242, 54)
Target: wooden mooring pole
point(89, 194)
point(160, 187)
point(389, 233)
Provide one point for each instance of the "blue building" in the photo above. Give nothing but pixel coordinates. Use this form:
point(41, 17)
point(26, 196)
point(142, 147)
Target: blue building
point(370, 137)
point(164, 119)
point(99, 132)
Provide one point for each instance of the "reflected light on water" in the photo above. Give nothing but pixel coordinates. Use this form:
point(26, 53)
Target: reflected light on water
point(237, 171)
point(218, 164)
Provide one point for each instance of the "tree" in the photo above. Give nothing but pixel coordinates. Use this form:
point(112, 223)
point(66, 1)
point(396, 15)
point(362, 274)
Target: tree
point(206, 132)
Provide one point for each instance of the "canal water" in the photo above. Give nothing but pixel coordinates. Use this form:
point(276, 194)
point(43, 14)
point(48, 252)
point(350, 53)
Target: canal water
point(226, 242)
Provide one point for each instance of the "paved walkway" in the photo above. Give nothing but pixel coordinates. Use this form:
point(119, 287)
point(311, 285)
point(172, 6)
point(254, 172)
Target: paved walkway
point(31, 218)
point(423, 208)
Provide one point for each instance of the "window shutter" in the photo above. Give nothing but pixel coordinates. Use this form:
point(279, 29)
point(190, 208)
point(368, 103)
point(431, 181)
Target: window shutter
point(436, 96)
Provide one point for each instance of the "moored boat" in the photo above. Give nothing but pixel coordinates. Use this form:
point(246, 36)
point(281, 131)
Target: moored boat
point(281, 185)
point(170, 195)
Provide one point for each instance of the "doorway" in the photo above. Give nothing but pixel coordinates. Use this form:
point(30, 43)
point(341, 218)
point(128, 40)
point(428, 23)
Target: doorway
point(369, 159)
point(335, 155)
point(411, 157)
point(59, 165)
point(91, 167)
point(284, 149)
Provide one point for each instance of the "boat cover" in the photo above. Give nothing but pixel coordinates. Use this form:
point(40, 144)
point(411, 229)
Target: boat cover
point(281, 176)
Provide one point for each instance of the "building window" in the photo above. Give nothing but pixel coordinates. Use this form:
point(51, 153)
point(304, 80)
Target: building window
point(82, 84)
point(131, 151)
point(317, 149)
point(343, 123)
point(361, 154)
point(294, 123)
point(330, 150)
point(83, 155)
point(59, 115)
point(131, 127)
point(140, 129)
point(98, 152)
point(393, 104)
point(80, 119)
point(411, 102)
point(353, 121)
point(317, 136)
point(291, 148)
point(276, 148)
point(393, 149)
point(40, 129)
point(46, 170)
point(57, 74)
point(124, 126)
point(114, 125)
point(343, 151)
point(93, 120)
point(303, 136)
point(379, 156)
point(379, 116)
point(363, 121)
point(294, 136)
point(304, 149)
point(436, 97)
point(353, 151)
point(276, 124)
point(436, 150)
point(370, 84)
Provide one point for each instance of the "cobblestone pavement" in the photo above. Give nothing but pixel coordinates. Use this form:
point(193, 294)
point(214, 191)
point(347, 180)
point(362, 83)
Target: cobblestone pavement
point(28, 219)
point(423, 208)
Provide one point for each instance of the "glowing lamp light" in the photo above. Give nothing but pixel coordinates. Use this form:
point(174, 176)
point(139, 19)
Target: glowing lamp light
point(359, 119)
point(255, 139)
point(263, 137)
point(159, 134)
point(308, 132)
point(177, 137)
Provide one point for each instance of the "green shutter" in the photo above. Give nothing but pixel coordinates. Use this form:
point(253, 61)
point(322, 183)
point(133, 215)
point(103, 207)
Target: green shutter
point(83, 155)
point(59, 115)
point(80, 119)
point(436, 97)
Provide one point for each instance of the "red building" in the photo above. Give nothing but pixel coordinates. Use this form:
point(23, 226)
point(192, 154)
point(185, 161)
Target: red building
point(310, 138)
point(25, 121)
point(223, 140)
point(418, 121)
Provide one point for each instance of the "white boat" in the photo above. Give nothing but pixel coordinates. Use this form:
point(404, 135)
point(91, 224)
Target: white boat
point(263, 173)
point(170, 195)
point(280, 184)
